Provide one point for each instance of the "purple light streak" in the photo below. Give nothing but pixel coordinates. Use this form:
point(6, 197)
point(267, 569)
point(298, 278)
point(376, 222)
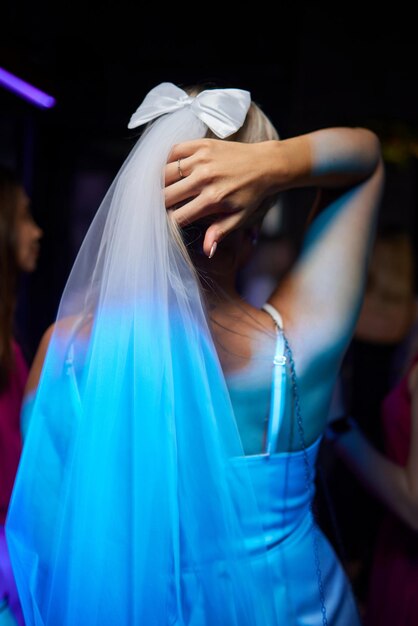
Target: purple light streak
point(25, 90)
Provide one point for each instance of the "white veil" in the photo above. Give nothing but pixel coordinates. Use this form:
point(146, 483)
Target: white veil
point(125, 507)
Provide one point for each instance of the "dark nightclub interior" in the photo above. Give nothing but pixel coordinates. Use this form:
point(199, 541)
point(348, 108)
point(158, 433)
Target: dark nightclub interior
point(308, 67)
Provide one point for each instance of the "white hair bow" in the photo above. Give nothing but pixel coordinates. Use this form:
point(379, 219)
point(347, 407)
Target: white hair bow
point(222, 110)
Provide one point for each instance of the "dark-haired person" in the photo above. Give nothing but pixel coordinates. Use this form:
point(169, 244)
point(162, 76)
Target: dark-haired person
point(19, 249)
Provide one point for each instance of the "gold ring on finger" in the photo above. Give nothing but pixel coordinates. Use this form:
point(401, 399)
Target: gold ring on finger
point(179, 169)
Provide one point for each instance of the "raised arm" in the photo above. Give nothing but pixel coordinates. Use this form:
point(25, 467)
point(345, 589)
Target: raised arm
point(321, 297)
point(324, 292)
point(229, 179)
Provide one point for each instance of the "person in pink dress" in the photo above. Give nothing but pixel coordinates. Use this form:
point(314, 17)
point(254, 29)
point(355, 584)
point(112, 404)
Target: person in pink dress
point(19, 248)
point(392, 477)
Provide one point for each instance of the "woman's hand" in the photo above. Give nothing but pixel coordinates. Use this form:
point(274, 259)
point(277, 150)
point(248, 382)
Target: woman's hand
point(219, 177)
point(209, 176)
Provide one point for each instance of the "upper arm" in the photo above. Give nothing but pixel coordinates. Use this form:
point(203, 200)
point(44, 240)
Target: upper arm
point(323, 293)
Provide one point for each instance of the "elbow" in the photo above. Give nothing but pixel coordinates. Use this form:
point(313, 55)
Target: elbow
point(376, 144)
point(372, 146)
point(377, 155)
point(372, 140)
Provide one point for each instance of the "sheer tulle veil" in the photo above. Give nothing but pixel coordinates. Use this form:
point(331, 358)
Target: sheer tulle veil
point(124, 507)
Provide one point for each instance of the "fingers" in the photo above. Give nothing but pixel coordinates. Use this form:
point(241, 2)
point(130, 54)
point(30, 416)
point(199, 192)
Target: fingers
point(219, 230)
point(172, 173)
point(180, 184)
point(185, 149)
point(179, 192)
point(190, 212)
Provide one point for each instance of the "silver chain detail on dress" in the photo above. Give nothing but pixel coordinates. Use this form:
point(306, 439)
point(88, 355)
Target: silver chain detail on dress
point(308, 479)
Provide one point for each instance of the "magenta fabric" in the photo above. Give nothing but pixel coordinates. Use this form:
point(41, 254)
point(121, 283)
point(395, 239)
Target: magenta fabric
point(10, 437)
point(393, 595)
point(7, 582)
point(10, 449)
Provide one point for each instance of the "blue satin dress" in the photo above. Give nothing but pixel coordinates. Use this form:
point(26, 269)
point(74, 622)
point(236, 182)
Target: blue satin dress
point(311, 587)
point(308, 582)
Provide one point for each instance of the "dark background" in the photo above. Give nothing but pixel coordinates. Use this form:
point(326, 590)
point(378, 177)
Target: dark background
point(307, 66)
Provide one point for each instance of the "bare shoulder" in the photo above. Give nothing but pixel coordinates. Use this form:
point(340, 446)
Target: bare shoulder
point(64, 327)
point(36, 369)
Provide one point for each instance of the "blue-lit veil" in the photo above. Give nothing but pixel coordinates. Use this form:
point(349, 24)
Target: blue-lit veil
point(124, 509)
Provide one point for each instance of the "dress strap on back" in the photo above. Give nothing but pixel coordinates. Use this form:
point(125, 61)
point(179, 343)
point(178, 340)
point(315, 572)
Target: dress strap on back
point(278, 393)
point(273, 312)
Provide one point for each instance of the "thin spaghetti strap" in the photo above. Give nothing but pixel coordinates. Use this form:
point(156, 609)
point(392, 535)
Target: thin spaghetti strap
point(275, 421)
point(273, 312)
point(278, 393)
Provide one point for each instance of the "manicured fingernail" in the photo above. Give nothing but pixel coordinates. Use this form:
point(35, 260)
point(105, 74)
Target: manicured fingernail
point(213, 249)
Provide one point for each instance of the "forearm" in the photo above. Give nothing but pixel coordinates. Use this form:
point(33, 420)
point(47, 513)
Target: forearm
point(388, 481)
point(332, 157)
point(229, 180)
